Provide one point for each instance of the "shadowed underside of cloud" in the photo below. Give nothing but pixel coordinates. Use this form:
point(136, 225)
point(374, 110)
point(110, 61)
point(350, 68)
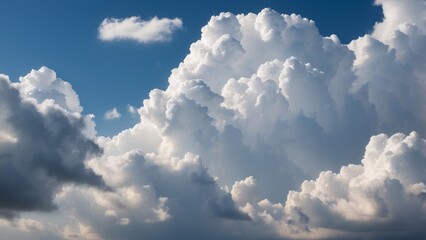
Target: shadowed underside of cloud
point(260, 104)
point(42, 147)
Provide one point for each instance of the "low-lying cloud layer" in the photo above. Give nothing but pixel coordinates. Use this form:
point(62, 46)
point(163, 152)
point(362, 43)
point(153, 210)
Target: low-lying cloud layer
point(267, 130)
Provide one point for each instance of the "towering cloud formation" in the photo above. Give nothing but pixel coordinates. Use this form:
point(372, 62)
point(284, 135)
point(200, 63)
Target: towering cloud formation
point(261, 103)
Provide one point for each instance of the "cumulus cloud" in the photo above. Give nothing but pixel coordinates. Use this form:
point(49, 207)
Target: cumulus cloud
point(43, 84)
point(136, 29)
point(385, 191)
point(44, 89)
point(249, 139)
point(43, 145)
point(112, 114)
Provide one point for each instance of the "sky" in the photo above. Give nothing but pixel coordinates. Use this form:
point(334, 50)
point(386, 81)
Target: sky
point(213, 120)
point(63, 36)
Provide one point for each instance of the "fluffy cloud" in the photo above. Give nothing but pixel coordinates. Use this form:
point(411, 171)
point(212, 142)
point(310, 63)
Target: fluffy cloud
point(260, 104)
point(385, 191)
point(43, 145)
point(112, 114)
point(44, 89)
point(134, 28)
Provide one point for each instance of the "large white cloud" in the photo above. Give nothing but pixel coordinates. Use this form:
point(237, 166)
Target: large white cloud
point(260, 104)
point(385, 192)
point(134, 28)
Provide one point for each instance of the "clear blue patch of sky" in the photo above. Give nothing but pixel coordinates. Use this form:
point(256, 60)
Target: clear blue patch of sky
point(62, 35)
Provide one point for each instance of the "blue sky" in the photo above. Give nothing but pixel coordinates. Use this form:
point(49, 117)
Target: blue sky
point(63, 36)
point(271, 128)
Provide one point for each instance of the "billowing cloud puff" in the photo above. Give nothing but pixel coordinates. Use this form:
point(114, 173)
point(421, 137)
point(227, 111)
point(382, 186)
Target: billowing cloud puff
point(42, 85)
point(42, 143)
point(134, 28)
point(385, 192)
point(249, 139)
point(44, 90)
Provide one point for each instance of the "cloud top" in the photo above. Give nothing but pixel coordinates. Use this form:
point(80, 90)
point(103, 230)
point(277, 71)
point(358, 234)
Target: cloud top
point(142, 31)
point(386, 190)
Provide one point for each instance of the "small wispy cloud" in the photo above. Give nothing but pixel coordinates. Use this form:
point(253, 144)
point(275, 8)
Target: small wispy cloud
point(112, 114)
point(132, 110)
point(134, 28)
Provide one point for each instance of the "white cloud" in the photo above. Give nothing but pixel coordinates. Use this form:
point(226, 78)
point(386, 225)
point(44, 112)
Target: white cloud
point(387, 188)
point(132, 110)
point(43, 84)
point(134, 28)
point(112, 114)
point(260, 104)
point(407, 14)
point(46, 90)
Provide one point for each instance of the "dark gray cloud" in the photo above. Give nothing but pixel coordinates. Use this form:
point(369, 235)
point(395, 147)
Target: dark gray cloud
point(226, 208)
point(42, 151)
